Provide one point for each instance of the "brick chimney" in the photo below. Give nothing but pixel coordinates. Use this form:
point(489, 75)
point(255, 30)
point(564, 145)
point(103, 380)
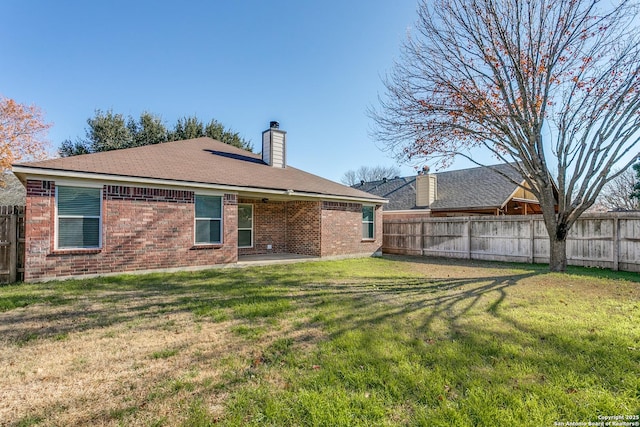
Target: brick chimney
point(426, 188)
point(274, 146)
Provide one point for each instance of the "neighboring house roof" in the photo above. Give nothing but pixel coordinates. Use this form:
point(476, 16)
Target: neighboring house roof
point(200, 162)
point(401, 192)
point(13, 192)
point(460, 189)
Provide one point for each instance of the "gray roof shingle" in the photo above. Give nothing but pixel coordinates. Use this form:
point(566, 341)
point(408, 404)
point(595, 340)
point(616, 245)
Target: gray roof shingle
point(478, 187)
point(13, 192)
point(201, 161)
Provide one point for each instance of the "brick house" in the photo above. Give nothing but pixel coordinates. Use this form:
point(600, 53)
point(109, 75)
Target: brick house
point(186, 204)
point(488, 190)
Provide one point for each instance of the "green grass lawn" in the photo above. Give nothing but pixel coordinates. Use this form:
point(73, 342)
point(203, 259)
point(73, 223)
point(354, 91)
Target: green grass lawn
point(392, 341)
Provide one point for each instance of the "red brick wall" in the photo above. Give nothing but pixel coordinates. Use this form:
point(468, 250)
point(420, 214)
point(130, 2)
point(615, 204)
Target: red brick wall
point(269, 227)
point(342, 230)
point(39, 222)
point(310, 228)
point(304, 228)
point(146, 228)
point(142, 229)
point(290, 227)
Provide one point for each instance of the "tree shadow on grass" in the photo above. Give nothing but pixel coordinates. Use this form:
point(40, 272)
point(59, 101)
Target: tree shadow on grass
point(443, 298)
point(537, 361)
point(485, 343)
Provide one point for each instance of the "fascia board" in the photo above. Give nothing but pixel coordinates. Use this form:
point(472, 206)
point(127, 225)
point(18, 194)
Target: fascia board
point(54, 174)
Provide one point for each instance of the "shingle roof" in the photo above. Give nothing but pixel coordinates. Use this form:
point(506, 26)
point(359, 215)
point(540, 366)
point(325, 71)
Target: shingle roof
point(460, 189)
point(401, 192)
point(13, 192)
point(201, 160)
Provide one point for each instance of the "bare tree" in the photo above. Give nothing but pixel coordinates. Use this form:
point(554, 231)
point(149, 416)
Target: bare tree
point(548, 86)
point(369, 173)
point(617, 193)
point(635, 194)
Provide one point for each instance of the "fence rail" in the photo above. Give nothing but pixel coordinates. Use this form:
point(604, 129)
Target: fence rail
point(12, 243)
point(609, 240)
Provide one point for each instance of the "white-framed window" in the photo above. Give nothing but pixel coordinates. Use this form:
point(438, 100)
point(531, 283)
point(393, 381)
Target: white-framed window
point(208, 220)
point(368, 222)
point(245, 225)
point(78, 217)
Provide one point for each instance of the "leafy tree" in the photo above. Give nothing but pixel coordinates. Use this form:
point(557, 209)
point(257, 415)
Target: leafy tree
point(187, 128)
point(369, 173)
point(110, 131)
point(192, 127)
point(22, 133)
point(106, 131)
point(618, 193)
point(216, 130)
point(148, 130)
point(70, 148)
point(551, 87)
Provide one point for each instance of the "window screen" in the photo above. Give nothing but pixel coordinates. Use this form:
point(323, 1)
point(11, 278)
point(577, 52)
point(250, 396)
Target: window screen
point(245, 226)
point(79, 217)
point(208, 219)
point(368, 213)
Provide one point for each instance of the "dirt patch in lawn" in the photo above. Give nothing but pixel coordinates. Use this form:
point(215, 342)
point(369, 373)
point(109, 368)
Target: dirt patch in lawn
point(131, 358)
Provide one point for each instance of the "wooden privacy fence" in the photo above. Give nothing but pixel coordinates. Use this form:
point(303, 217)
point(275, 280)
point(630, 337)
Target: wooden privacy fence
point(12, 247)
point(609, 240)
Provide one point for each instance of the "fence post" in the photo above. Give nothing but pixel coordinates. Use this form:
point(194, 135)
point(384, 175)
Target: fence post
point(616, 244)
point(422, 233)
point(532, 236)
point(469, 238)
point(13, 247)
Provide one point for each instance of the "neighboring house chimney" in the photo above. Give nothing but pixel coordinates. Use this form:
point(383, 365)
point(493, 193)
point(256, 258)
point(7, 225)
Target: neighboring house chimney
point(426, 188)
point(274, 146)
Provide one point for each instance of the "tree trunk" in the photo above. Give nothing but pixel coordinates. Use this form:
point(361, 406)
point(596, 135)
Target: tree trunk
point(557, 254)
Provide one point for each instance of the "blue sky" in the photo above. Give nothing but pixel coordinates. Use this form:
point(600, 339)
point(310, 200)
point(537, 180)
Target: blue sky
point(314, 66)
